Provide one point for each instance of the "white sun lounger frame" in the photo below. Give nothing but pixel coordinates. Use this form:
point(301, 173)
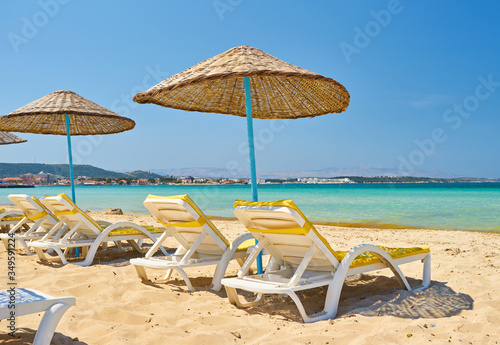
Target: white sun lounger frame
point(286, 280)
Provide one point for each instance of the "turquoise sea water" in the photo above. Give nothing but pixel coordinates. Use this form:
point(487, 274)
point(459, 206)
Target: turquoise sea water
point(464, 206)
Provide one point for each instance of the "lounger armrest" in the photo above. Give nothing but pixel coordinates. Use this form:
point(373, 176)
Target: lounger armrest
point(10, 214)
point(240, 240)
point(343, 268)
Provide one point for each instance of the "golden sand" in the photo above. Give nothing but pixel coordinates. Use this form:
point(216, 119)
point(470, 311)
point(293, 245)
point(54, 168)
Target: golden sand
point(462, 305)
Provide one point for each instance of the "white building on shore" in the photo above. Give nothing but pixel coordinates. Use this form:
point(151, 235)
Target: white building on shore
point(324, 180)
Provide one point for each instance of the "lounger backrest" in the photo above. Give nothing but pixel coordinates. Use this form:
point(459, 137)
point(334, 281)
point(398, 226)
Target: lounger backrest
point(67, 211)
point(34, 210)
point(187, 222)
point(286, 232)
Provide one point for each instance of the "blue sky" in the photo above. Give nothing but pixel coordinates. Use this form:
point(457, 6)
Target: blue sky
point(423, 76)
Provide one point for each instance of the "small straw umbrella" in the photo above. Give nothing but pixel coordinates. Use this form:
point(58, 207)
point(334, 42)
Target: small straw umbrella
point(7, 138)
point(65, 113)
point(246, 81)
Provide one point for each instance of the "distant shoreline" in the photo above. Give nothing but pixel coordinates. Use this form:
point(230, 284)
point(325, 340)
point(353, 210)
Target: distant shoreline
point(260, 184)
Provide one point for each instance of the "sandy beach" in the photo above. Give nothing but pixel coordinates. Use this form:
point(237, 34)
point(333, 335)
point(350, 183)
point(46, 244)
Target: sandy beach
point(113, 306)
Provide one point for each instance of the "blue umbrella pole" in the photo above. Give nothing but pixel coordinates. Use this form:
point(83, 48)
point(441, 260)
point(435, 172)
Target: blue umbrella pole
point(68, 132)
point(251, 150)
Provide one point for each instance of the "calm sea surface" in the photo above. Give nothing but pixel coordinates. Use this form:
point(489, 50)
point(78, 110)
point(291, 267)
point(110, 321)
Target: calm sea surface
point(464, 206)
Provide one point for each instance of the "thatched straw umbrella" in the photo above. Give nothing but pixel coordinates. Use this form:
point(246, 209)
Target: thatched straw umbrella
point(9, 138)
point(245, 81)
point(65, 113)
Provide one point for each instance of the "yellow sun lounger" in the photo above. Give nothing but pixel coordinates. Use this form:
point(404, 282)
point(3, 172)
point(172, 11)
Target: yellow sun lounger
point(201, 243)
point(87, 233)
point(34, 212)
point(302, 259)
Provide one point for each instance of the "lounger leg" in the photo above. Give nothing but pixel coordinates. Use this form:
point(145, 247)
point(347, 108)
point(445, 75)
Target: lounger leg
point(90, 255)
point(49, 323)
point(141, 272)
point(168, 274)
point(313, 318)
point(232, 295)
point(220, 270)
point(25, 246)
point(234, 298)
point(42, 257)
point(426, 275)
point(6, 243)
point(136, 246)
point(186, 278)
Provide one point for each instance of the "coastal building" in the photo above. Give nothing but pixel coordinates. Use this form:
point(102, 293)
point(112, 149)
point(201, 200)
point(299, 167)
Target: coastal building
point(29, 179)
point(323, 180)
point(87, 182)
point(11, 180)
point(46, 178)
point(38, 179)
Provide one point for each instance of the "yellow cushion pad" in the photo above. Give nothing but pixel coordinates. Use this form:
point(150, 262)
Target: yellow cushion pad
point(395, 253)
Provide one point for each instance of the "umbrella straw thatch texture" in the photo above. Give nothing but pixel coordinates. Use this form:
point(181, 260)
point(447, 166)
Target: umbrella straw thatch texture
point(9, 138)
point(47, 116)
point(65, 113)
point(279, 89)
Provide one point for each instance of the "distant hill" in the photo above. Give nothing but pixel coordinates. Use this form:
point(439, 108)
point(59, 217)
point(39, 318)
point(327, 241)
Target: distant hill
point(142, 174)
point(18, 169)
point(214, 172)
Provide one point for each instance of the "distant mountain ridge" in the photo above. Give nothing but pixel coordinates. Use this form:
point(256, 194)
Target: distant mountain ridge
point(18, 169)
point(325, 173)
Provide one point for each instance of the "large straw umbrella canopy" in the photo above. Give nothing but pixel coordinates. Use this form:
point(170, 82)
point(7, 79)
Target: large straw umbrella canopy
point(9, 138)
point(65, 113)
point(245, 81)
point(279, 90)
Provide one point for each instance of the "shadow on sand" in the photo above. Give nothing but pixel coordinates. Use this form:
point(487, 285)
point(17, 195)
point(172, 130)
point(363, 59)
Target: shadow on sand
point(25, 336)
point(372, 296)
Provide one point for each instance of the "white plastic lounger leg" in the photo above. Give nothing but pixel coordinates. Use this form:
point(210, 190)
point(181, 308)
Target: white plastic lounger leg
point(185, 277)
point(307, 318)
point(89, 258)
point(141, 272)
point(234, 298)
point(49, 323)
point(6, 243)
point(221, 268)
point(136, 246)
point(168, 274)
point(25, 246)
point(41, 254)
point(426, 275)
